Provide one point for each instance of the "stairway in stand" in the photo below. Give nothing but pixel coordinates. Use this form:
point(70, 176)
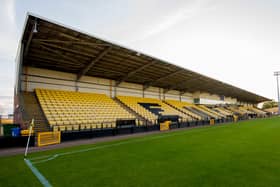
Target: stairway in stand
point(139, 117)
point(180, 110)
point(32, 109)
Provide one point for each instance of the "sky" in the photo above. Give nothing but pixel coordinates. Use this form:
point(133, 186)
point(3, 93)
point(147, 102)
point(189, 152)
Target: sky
point(235, 41)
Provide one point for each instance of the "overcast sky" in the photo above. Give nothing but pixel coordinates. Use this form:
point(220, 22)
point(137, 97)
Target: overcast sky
point(235, 41)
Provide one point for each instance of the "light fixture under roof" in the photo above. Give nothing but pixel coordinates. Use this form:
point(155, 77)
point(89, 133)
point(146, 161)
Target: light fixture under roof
point(35, 30)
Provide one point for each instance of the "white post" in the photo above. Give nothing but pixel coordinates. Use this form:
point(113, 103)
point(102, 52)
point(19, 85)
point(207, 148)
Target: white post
point(278, 95)
point(277, 74)
point(28, 140)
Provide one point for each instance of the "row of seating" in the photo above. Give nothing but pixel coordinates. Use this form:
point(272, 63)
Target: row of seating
point(257, 111)
point(199, 112)
point(223, 111)
point(230, 110)
point(214, 114)
point(89, 126)
point(179, 105)
point(68, 111)
point(80, 109)
point(134, 104)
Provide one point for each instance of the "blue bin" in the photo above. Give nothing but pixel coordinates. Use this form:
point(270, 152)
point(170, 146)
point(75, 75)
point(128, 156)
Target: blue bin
point(15, 131)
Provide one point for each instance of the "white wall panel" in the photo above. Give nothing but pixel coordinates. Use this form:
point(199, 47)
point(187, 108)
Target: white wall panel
point(49, 79)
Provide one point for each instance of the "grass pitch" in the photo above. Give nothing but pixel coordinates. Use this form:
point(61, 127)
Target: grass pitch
point(240, 154)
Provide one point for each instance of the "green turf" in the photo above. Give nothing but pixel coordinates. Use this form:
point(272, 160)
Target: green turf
point(240, 154)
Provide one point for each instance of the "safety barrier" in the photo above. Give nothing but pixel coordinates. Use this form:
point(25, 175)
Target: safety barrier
point(165, 125)
point(48, 138)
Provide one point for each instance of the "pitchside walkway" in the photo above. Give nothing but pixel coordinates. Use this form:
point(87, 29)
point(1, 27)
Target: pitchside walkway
point(18, 151)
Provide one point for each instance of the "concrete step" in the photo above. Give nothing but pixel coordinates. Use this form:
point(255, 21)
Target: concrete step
point(33, 110)
point(139, 117)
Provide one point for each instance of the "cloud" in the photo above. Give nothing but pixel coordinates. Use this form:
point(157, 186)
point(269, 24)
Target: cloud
point(8, 34)
point(181, 14)
point(8, 47)
point(6, 105)
point(10, 10)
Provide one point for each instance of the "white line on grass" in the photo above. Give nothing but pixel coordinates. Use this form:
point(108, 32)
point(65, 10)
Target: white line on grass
point(52, 157)
point(37, 173)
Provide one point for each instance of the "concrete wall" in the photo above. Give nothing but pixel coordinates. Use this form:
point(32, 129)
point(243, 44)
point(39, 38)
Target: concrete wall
point(152, 92)
point(32, 78)
point(173, 94)
point(129, 89)
point(230, 100)
point(187, 97)
point(206, 98)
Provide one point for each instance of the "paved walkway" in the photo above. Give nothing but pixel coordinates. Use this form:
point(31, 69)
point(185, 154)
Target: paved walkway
point(18, 151)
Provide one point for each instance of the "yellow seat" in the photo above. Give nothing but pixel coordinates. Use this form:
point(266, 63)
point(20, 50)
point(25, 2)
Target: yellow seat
point(55, 128)
point(98, 126)
point(69, 127)
point(62, 128)
point(88, 126)
point(76, 127)
point(83, 127)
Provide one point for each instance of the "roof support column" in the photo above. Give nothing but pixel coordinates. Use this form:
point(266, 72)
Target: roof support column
point(115, 91)
point(76, 86)
point(180, 96)
point(143, 91)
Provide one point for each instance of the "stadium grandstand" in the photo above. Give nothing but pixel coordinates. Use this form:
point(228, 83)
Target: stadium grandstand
point(71, 82)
